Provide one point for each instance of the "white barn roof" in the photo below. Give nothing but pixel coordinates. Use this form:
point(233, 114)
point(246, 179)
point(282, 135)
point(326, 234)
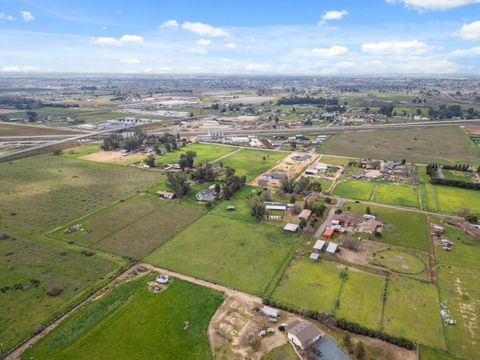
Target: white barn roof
point(319, 245)
point(291, 227)
point(331, 248)
point(314, 256)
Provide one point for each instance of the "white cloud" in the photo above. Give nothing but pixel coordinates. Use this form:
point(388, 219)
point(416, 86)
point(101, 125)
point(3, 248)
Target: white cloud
point(204, 29)
point(465, 53)
point(169, 24)
point(111, 41)
point(412, 47)
point(334, 15)
point(129, 61)
point(18, 69)
point(231, 45)
point(332, 51)
point(204, 42)
point(470, 31)
point(199, 51)
point(136, 39)
point(258, 67)
point(4, 16)
point(434, 4)
point(27, 16)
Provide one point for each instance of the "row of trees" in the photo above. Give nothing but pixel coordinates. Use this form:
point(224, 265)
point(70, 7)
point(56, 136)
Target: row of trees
point(289, 186)
point(307, 100)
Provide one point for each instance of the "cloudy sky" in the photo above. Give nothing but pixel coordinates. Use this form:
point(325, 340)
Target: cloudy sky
point(317, 37)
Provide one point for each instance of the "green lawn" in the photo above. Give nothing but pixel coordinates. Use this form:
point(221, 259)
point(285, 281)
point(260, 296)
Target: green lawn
point(453, 200)
point(231, 252)
point(310, 286)
point(241, 203)
point(251, 163)
point(133, 228)
point(396, 194)
point(354, 189)
point(361, 299)
point(403, 228)
point(412, 310)
point(132, 322)
point(400, 261)
point(204, 153)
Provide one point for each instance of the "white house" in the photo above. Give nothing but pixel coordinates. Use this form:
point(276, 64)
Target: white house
point(302, 333)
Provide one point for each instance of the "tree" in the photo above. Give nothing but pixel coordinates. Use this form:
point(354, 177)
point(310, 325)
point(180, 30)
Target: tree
point(32, 116)
point(360, 352)
point(186, 159)
point(303, 224)
point(204, 173)
point(257, 210)
point(112, 142)
point(368, 210)
point(287, 185)
point(150, 161)
point(347, 341)
point(179, 183)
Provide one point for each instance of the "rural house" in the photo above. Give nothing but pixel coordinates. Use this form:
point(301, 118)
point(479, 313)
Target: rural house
point(302, 333)
point(305, 214)
point(206, 196)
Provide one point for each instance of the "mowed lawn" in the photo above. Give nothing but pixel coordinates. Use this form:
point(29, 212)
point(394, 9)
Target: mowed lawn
point(310, 286)
point(204, 153)
point(403, 228)
point(133, 322)
point(412, 310)
point(133, 228)
point(252, 163)
point(230, 252)
point(354, 189)
point(440, 145)
point(361, 298)
point(396, 194)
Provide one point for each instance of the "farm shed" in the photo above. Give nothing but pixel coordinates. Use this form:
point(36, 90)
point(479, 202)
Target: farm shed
point(270, 311)
point(290, 227)
point(319, 245)
point(328, 233)
point(305, 214)
point(331, 248)
point(302, 333)
point(314, 256)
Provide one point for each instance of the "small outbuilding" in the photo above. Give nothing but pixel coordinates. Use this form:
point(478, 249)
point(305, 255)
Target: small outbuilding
point(332, 248)
point(328, 233)
point(305, 214)
point(319, 245)
point(166, 195)
point(314, 256)
point(291, 227)
point(270, 311)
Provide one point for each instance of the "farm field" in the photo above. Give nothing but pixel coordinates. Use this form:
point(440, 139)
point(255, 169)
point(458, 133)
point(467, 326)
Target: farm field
point(334, 160)
point(400, 261)
point(354, 189)
point(251, 163)
point(133, 317)
point(457, 175)
point(442, 145)
point(241, 203)
point(428, 353)
point(7, 129)
point(404, 228)
point(32, 267)
point(361, 298)
point(132, 228)
point(412, 310)
point(310, 286)
point(401, 194)
point(205, 153)
point(453, 200)
point(231, 252)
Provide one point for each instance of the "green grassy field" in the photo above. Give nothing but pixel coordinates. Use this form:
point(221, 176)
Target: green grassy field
point(428, 353)
point(38, 194)
point(360, 299)
point(403, 228)
point(412, 310)
point(231, 252)
point(204, 153)
point(457, 175)
point(453, 200)
point(400, 261)
point(334, 160)
point(132, 322)
point(310, 286)
point(23, 130)
point(401, 194)
point(250, 162)
point(441, 144)
point(132, 228)
point(354, 189)
point(241, 203)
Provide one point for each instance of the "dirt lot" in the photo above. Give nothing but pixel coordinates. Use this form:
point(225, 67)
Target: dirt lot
point(113, 157)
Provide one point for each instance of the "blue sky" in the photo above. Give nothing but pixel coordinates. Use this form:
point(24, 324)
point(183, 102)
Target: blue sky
point(369, 37)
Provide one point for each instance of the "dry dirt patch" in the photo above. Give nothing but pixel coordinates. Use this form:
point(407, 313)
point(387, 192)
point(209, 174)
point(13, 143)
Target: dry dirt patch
point(113, 157)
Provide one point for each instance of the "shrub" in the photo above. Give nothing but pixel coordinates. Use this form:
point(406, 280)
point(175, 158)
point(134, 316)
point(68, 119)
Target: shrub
point(54, 291)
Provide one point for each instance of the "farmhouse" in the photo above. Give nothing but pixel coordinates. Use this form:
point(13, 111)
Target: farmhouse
point(342, 219)
point(302, 333)
point(305, 214)
point(206, 196)
point(328, 233)
point(166, 195)
point(290, 227)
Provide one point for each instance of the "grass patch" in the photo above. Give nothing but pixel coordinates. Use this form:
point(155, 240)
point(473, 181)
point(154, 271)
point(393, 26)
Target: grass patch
point(133, 319)
point(334, 160)
point(428, 353)
point(453, 200)
point(226, 251)
point(284, 352)
point(27, 130)
point(400, 262)
point(205, 153)
point(412, 310)
point(354, 189)
point(396, 194)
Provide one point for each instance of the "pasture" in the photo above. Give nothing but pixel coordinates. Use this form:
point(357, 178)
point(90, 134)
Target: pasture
point(7, 129)
point(205, 153)
point(400, 262)
point(132, 228)
point(354, 189)
point(252, 163)
point(241, 203)
point(412, 310)
point(396, 194)
point(361, 298)
point(132, 321)
point(310, 286)
point(230, 252)
point(335, 160)
point(403, 228)
point(440, 144)
point(453, 200)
